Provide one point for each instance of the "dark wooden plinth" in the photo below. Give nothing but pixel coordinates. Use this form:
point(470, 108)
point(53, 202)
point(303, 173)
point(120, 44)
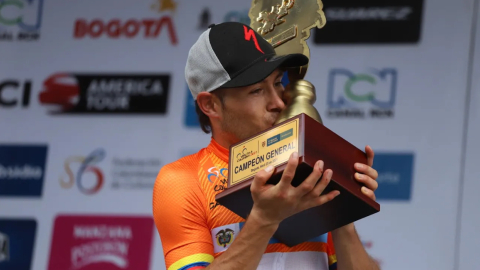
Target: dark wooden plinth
point(316, 142)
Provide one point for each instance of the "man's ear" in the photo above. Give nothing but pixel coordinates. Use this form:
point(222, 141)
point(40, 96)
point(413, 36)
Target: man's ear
point(209, 104)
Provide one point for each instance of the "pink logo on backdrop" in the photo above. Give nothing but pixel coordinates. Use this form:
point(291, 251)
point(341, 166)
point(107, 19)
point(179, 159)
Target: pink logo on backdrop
point(101, 242)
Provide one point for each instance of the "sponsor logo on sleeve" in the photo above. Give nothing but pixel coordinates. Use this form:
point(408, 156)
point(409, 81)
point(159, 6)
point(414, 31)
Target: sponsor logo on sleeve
point(223, 236)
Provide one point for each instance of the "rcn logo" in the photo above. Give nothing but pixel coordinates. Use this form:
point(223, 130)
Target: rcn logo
point(20, 19)
point(360, 95)
point(88, 176)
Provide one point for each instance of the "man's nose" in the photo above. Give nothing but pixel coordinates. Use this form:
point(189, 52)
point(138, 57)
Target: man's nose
point(276, 103)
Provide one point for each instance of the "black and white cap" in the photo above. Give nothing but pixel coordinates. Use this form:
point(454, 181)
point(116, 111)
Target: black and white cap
point(232, 54)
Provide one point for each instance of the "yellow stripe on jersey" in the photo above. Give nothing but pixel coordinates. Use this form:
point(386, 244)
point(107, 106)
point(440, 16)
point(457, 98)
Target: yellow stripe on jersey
point(200, 257)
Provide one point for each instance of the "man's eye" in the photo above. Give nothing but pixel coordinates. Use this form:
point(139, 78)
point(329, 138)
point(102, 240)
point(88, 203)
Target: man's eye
point(256, 91)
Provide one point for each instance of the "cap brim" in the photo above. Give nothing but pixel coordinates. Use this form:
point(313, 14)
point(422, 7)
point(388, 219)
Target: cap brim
point(261, 70)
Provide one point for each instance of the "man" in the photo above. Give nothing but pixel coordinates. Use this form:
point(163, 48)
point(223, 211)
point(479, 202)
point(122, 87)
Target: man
point(235, 78)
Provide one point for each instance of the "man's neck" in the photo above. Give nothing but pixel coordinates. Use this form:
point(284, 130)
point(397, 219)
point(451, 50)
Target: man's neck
point(223, 139)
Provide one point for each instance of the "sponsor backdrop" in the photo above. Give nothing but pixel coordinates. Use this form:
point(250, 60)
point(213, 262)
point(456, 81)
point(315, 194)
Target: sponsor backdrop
point(93, 102)
point(468, 237)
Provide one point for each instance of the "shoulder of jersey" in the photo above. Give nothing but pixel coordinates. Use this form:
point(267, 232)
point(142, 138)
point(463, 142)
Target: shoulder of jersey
point(183, 166)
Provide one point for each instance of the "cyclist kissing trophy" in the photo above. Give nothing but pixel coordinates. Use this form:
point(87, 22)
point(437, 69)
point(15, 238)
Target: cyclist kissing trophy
point(286, 25)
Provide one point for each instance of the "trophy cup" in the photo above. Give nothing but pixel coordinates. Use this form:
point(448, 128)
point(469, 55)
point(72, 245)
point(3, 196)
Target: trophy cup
point(286, 25)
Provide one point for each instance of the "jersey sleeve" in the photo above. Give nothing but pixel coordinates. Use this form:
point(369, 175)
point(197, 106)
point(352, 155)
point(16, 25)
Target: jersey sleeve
point(179, 214)
point(332, 257)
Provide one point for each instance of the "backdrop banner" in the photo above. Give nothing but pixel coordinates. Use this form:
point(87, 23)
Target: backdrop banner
point(93, 102)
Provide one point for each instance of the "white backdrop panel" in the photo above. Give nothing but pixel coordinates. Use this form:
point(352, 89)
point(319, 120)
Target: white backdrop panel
point(470, 221)
point(428, 121)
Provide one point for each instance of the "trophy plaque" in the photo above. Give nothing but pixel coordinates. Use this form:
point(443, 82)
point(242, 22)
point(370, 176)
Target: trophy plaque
point(286, 25)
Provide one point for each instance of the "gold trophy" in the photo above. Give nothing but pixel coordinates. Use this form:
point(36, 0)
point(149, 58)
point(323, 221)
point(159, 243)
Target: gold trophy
point(286, 25)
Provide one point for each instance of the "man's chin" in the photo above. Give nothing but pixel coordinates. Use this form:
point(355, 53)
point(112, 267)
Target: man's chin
point(250, 134)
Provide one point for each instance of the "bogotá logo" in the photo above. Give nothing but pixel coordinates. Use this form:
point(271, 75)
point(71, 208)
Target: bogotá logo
point(134, 27)
point(20, 20)
point(361, 95)
point(86, 167)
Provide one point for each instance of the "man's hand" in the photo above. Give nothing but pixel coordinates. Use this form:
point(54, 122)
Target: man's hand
point(349, 249)
point(271, 205)
point(274, 203)
point(367, 175)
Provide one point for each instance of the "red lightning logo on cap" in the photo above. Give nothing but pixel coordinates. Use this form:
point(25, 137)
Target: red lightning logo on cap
point(250, 34)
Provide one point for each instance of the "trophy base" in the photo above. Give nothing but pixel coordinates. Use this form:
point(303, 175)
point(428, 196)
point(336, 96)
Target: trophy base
point(316, 142)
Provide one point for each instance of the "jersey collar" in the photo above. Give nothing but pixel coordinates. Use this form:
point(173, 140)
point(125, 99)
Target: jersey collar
point(220, 151)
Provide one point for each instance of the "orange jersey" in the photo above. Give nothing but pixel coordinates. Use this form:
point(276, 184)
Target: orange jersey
point(194, 229)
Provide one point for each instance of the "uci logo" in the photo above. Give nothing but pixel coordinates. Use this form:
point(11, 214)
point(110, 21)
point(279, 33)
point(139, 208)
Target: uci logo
point(86, 166)
point(374, 87)
point(214, 173)
point(17, 93)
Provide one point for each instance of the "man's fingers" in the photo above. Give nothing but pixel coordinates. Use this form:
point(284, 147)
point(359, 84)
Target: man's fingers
point(366, 170)
point(261, 178)
point(309, 183)
point(369, 193)
point(370, 155)
point(322, 199)
point(289, 172)
point(327, 176)
point(368, 181)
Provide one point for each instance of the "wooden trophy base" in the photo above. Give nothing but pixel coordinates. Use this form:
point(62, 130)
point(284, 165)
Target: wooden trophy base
point(315, 142)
